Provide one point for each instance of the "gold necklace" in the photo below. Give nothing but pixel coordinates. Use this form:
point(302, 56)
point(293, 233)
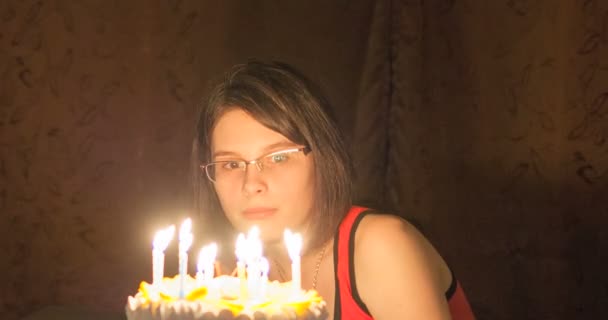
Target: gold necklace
point(315, 274)
point(317, 267)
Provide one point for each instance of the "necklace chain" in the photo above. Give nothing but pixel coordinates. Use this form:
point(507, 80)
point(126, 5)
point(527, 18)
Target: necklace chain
point(317, 267)
point(315, 274)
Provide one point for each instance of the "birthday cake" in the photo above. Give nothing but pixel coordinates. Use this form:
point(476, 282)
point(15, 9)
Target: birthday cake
point(221, 298)
point(248, 296)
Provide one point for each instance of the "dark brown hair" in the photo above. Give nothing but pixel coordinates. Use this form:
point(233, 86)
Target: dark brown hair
point(283, 100)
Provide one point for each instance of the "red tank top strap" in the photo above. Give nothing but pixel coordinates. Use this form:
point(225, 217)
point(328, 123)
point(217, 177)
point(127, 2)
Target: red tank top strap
point(348, 304)
point(460, 309)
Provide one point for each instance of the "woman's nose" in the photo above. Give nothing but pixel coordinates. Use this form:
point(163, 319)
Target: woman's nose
point(254, 182)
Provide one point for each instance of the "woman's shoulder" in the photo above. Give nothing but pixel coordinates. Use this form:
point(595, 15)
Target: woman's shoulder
point(391, 255)
point(379, 227)
point(389, 238)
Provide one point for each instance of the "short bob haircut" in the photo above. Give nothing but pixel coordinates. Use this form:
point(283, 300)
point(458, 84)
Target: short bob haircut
point(283, 100)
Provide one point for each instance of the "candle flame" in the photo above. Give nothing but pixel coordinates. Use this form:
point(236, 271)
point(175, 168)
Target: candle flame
point(162, 238)
point(254, 233)
point(185, 235)
point(293, 241)
point(207, 256)
point(254, 243)
point(249, 248)
point(186, 227)
point(241, 247)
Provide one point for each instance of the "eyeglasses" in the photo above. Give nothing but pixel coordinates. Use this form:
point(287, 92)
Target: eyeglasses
point(230, 170)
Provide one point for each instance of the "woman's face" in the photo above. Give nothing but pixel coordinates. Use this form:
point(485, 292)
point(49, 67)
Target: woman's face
point(277, 195)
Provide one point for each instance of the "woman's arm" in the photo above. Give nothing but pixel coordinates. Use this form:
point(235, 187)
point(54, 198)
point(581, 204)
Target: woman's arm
point(397, 272)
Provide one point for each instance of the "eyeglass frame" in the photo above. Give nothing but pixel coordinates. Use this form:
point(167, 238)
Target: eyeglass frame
point(306, 150)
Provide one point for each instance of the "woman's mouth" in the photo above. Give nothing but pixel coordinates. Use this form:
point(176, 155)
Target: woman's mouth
point(259, 212)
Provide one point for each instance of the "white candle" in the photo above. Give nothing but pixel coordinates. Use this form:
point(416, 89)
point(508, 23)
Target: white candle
point(241, 254)
point(254, 244)
point(206, 260)
point(161, 241)
point(294, 246)
point(264, 268)
point(185, 241)
point(252, 278)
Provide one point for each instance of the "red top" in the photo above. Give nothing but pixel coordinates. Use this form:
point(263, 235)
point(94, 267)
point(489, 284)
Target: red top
point(348, 303)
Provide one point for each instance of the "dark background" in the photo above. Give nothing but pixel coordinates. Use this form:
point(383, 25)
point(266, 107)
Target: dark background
point(484, 121)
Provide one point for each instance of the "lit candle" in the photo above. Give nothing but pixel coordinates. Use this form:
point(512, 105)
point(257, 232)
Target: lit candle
point(264, 267)
point(161, 241)
point(185, 241)
point(254, 244)
point(294, 246)
point(241, 255)
point(206, 260)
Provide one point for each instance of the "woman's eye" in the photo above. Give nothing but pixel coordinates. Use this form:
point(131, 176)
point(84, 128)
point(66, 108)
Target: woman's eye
point(277, 158)
point(231, 165)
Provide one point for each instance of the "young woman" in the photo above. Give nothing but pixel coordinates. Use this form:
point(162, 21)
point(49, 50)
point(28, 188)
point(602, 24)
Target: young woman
point(271, 156)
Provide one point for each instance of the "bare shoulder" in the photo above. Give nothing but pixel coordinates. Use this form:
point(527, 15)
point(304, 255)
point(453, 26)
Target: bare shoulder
point(386, 231)
point(378, 221)
point(388, 234)
point(391, 255)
